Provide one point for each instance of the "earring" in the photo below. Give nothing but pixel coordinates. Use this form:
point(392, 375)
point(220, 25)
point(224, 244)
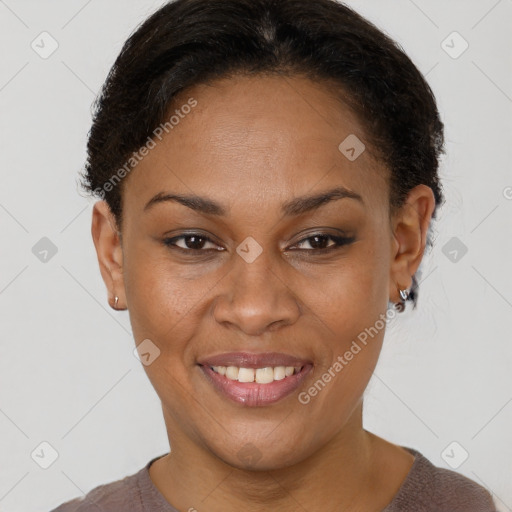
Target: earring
point(400, 306)
point(404, 294)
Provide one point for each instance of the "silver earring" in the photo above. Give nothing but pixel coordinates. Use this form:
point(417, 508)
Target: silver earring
point(400, 306)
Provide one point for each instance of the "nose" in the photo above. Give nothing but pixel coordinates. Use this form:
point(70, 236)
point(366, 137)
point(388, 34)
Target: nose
point(256, 296)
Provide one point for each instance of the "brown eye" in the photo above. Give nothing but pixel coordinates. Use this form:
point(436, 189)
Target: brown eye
point(191, 242)
point(319, 242)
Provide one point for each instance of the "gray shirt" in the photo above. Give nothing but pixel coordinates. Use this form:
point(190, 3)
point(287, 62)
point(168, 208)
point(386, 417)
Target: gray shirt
point(426, 488)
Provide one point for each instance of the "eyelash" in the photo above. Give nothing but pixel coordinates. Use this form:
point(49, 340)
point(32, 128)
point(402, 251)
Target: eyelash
point(340, 241)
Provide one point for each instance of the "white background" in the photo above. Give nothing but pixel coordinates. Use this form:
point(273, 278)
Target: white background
point(67, 372)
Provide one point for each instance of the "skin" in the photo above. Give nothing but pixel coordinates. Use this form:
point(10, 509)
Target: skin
point(251, 144)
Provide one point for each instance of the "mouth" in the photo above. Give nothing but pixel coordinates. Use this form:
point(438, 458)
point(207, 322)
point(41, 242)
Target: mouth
point(255, 379)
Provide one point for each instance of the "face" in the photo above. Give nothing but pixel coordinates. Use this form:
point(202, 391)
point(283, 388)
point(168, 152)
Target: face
point(263, 270)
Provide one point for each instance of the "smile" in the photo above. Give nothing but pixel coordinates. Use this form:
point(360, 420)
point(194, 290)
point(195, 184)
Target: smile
point(255, 387)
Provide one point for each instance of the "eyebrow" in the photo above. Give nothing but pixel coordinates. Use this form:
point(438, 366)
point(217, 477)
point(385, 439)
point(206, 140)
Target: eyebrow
point(296, 206)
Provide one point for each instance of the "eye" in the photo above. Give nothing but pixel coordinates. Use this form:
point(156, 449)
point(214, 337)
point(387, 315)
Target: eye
point(193, 242)
point(318, 241)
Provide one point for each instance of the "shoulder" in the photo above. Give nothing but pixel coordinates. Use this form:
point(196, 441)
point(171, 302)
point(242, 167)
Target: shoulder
point(110, 497)
point(460, 492)
point(429, 488)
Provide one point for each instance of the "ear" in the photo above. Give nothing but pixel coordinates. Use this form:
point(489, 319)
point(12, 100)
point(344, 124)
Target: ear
point(107, 241)
point(409, 230)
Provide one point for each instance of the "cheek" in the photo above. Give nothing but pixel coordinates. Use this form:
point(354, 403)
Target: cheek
point(163, 308)
point(351, 303)
point(350, 351)
point(161, 302)
point(353, 292)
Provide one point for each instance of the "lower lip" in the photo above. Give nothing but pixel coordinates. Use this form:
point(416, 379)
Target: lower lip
point(253, 394)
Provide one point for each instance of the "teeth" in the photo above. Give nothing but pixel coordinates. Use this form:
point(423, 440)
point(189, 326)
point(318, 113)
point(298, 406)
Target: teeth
point(232, 372)
point(246, 375)
point(259, 375)
point(265, 375)
point(279, 373)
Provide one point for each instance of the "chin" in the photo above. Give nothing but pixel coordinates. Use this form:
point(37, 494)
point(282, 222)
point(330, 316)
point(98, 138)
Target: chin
point(260, 456)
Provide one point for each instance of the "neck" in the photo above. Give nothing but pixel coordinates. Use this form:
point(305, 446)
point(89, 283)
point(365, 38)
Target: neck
point(336, 477)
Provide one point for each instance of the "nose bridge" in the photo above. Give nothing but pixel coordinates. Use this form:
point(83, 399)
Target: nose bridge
point(254, 280)
point(254, 263)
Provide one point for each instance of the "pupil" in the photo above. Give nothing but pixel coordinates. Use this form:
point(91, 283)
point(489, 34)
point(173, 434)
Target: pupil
point(195, 245)
point(316, 245)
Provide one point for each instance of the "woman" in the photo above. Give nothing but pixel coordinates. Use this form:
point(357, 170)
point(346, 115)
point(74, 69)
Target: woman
point(267, 171)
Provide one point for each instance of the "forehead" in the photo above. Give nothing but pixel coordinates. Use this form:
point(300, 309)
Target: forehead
point(261, 136)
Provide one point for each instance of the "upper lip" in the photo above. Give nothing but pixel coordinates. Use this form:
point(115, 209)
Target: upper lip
point(253, 360)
